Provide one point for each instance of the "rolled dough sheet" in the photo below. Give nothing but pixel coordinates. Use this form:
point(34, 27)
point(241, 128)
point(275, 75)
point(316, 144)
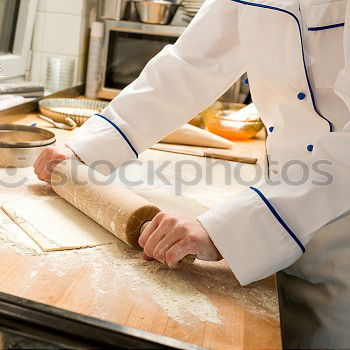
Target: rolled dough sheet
point(54, 224)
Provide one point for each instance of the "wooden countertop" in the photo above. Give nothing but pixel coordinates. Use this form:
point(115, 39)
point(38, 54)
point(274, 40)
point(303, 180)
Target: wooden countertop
point(95, 283)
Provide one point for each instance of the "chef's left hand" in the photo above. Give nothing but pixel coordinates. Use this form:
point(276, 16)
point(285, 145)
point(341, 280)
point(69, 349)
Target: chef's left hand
point(170, 238)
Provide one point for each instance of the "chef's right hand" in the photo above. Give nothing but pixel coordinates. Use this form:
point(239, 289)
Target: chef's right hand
point(49, 158)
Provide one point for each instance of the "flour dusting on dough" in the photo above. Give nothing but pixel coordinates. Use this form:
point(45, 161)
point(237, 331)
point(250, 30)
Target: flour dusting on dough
point(54, 224)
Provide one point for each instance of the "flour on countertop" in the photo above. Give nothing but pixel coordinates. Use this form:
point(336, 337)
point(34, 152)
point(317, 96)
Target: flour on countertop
point(181, 293)
point(174, 294)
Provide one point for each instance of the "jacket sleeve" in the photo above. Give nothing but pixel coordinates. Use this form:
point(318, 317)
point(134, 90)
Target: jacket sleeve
point(263, 230)
point(175, 85)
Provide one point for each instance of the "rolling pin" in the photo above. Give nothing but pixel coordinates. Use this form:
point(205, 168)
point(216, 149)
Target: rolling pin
point(206, 153)
point(119, 210)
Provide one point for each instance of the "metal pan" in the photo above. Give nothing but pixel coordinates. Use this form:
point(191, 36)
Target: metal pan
point(18, 136)
point(20, 145)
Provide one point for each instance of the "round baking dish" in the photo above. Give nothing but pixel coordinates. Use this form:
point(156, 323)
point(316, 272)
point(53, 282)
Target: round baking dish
point(77, 109)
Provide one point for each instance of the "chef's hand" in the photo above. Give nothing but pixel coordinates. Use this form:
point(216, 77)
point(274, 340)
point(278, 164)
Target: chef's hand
point(49, 158)
point(170, 238)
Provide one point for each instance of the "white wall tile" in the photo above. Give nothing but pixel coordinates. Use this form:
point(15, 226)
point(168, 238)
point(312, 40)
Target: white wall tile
point(36, 67)
point(61, 30)
point(42, 5)
point(62, 34)
point(62, 6)
point(38, 32)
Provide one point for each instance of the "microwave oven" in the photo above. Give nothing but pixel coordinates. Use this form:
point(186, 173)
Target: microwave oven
point(127, 47)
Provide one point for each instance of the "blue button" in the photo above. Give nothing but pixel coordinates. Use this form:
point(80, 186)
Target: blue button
point(271, 128)
point(246, 81)
point(310, 148)
point(301, 95)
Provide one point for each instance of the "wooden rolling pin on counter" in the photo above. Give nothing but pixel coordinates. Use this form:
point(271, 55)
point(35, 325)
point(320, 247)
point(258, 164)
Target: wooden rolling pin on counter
point(204, 152)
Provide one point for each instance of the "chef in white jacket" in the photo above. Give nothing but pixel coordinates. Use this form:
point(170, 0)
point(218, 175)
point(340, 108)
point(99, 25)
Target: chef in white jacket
point(297, 57)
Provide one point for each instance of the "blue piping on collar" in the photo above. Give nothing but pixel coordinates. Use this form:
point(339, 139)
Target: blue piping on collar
point(337, 25)
point(280, 220)
point(120, 132)
point(302, 49)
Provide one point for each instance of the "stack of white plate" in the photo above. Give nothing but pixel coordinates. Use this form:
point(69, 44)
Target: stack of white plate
point(191, 7)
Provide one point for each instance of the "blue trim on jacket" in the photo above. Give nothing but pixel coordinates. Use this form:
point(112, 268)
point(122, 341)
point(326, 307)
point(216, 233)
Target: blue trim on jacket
point(302, 48)
point(121, 133)
point(337, 25)
point(280, 220)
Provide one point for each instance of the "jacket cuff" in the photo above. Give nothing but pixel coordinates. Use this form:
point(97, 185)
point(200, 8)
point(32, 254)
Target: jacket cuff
point(249, 237)
point(99, 133)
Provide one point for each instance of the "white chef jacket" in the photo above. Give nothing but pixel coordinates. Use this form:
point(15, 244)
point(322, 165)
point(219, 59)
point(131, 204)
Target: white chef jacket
point(297, 57)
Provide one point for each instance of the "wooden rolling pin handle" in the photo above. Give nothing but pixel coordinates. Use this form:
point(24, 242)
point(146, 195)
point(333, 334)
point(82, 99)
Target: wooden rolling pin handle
point(188, 259)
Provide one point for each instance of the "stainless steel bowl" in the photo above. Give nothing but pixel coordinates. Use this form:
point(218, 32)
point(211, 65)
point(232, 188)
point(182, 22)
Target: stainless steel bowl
point(20, 145)
point(156, 11)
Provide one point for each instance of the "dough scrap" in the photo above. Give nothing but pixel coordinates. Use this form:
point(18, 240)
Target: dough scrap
point(13, 236)
point(54, 224)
